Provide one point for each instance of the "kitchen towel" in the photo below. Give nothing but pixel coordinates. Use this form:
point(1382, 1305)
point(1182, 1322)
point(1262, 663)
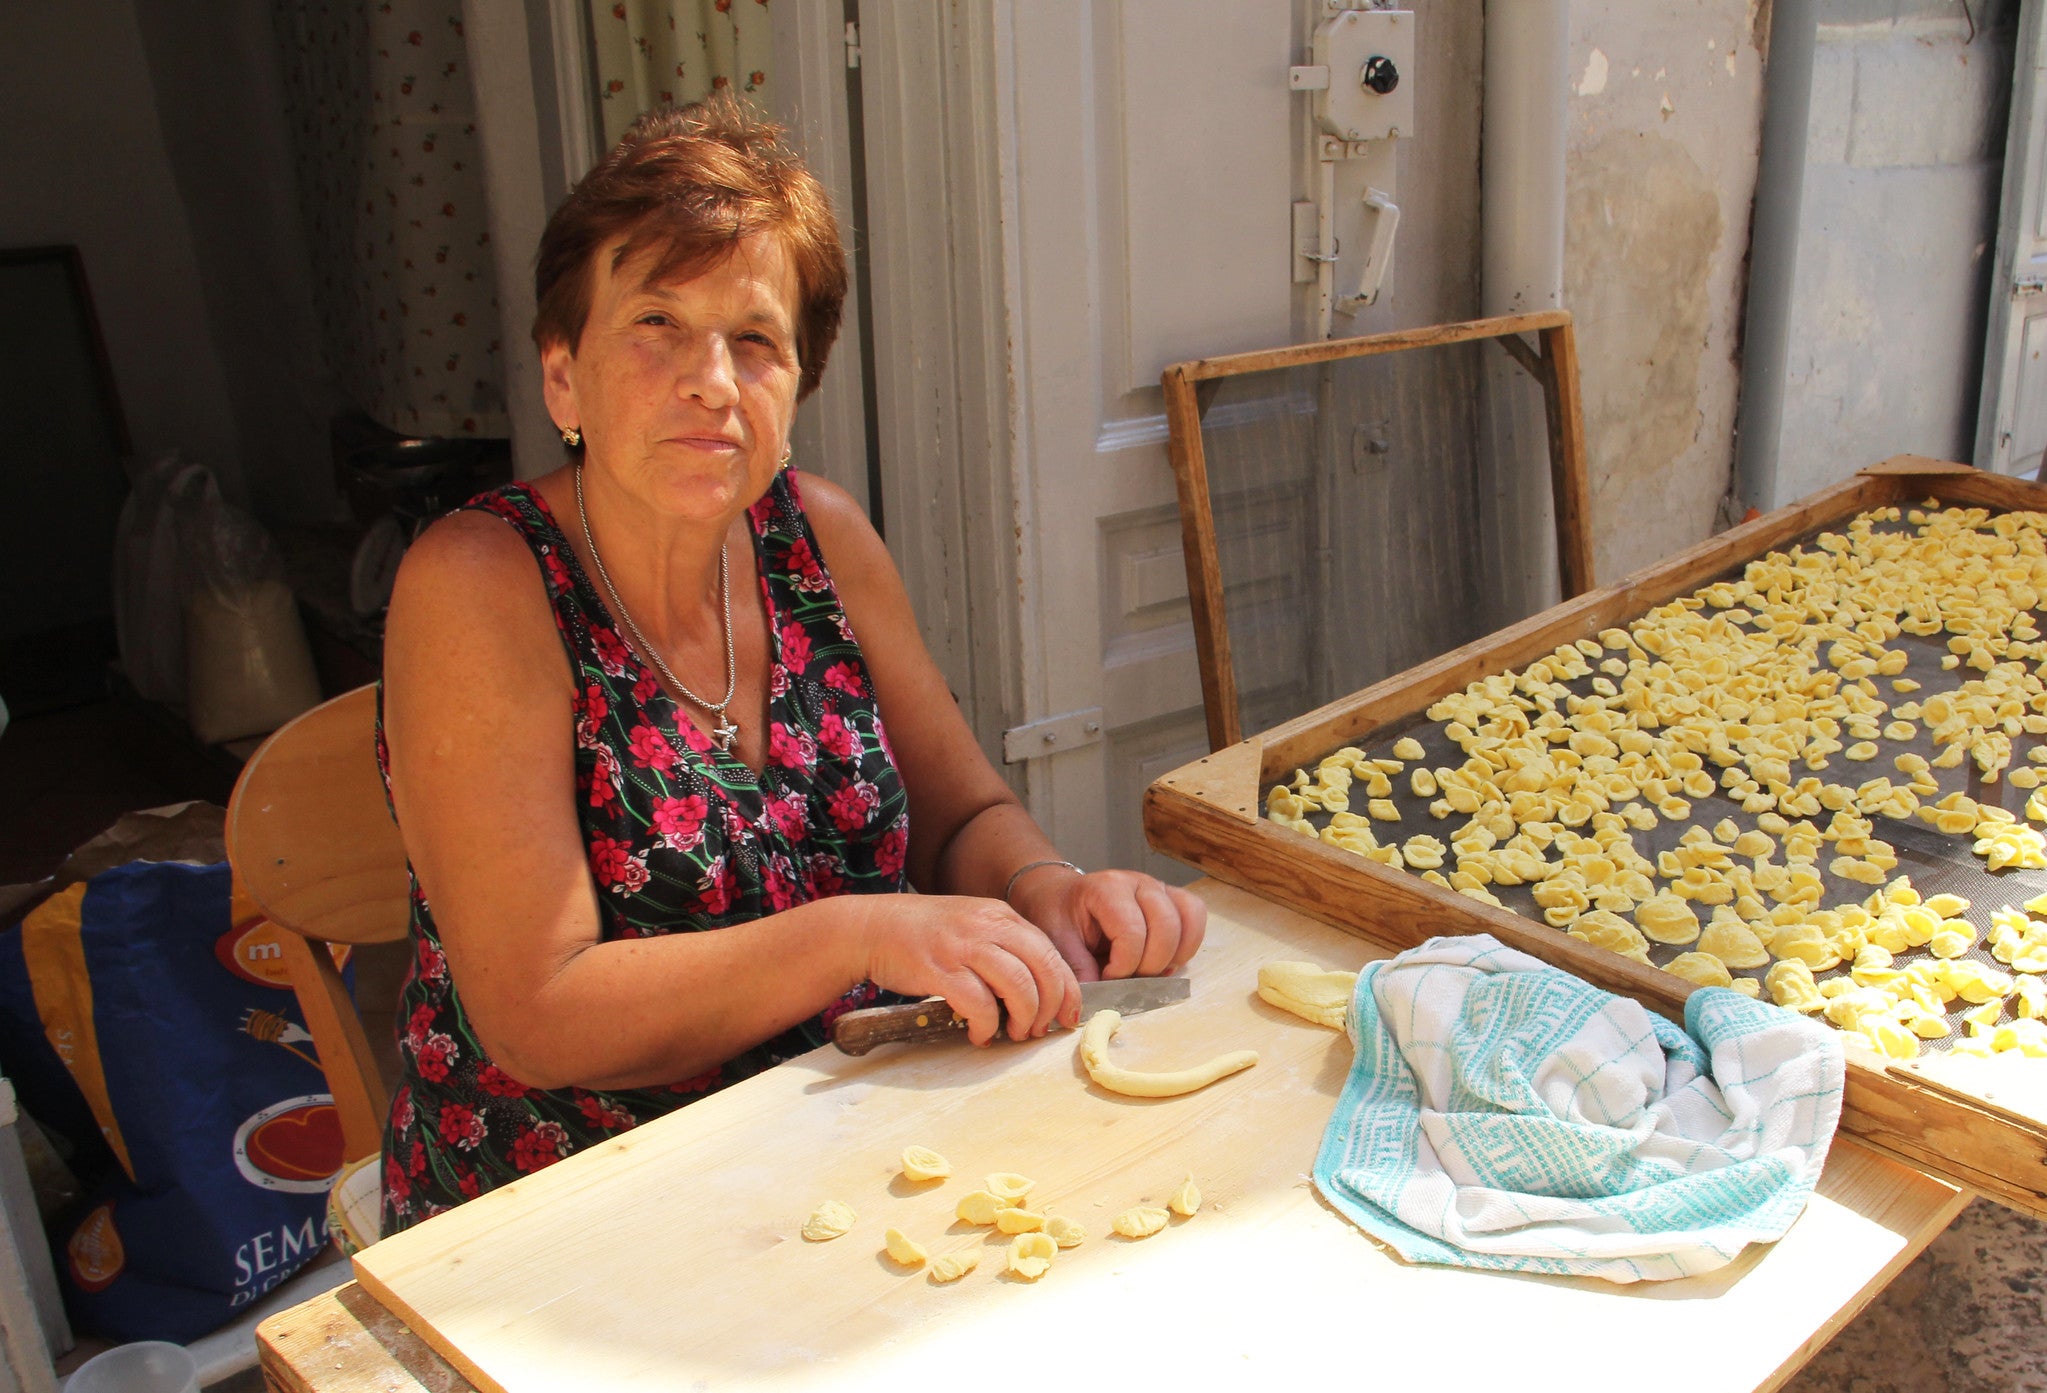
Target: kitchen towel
point(1502, 1114)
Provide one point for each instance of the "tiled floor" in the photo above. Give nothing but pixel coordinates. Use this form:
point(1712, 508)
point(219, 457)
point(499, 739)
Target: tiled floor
point(66, 775)
point(1969, 1316)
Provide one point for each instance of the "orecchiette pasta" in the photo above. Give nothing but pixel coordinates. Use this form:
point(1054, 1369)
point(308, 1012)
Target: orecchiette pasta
point(1754, 698)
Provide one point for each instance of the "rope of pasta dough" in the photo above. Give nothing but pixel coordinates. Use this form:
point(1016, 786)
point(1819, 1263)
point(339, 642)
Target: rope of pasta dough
point(1136, 1083)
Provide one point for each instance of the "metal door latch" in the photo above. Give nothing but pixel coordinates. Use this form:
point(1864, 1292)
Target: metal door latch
point(1362, 102)
point(1385, 222)
point(1052, 735)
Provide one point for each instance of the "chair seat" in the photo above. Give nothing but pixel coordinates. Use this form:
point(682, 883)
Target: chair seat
point(355, 1205)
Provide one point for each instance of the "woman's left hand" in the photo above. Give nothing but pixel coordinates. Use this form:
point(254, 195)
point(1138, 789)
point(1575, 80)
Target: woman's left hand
point(1114, 923)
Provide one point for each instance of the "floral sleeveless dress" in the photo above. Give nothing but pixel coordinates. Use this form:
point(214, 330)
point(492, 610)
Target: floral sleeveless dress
point(680, 837)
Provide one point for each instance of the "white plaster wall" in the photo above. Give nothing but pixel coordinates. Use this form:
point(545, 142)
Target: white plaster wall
point(1664, 123)
point(1896, 234)
point(84, 161)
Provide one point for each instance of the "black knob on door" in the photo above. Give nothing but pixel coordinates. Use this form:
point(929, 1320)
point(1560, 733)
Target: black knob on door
point(1380, 75)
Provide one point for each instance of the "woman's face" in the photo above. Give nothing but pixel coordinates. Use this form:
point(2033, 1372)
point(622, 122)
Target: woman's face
point(684, 389)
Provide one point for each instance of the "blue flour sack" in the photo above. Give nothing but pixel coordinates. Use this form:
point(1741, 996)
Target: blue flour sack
point(146, 1014)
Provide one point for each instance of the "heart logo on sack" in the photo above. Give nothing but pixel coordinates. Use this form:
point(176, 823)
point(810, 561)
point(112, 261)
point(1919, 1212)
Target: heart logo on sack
point(95, 1252)
point(294, 1146)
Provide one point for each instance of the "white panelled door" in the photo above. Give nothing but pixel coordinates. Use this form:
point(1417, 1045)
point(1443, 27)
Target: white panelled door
point(1063, 197)
point(1147, 176)
point(2011, 422)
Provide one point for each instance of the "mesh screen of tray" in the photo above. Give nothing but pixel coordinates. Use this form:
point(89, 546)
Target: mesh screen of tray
point(1371, 514)
point(1935, 862)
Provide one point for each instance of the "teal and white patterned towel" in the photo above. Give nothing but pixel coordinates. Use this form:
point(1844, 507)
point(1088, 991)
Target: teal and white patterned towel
point(1503, 1114)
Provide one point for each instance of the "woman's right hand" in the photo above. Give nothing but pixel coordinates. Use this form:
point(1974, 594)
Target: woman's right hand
point(983, 957)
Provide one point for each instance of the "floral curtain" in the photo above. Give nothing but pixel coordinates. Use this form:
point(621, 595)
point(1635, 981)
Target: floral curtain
point(391, 182)
point(651, 52)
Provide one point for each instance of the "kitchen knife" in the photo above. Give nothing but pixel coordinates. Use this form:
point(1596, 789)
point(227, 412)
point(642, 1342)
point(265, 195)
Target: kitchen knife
point(857, 1032)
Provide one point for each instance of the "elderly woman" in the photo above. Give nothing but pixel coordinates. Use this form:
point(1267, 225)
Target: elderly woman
point(666, 750)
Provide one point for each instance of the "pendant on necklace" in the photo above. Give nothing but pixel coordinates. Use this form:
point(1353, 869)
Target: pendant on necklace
point(724, 735)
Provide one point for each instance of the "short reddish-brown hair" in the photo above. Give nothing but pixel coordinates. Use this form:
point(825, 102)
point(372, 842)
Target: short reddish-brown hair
point(694, 182)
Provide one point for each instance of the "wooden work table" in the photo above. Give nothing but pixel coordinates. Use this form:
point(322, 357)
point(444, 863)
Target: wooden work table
point(669, 1258)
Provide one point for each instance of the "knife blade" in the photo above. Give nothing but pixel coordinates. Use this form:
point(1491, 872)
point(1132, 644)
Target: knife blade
point(913, 1022)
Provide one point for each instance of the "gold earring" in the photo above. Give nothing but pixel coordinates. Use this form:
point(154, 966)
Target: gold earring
point(571, 437)
point(787, 450)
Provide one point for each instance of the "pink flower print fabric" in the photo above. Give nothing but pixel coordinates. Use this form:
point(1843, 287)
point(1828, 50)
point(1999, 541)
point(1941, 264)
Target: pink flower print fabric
point(679, 838)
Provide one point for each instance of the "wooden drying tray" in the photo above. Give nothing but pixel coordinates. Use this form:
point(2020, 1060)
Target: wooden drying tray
point(1209, 814)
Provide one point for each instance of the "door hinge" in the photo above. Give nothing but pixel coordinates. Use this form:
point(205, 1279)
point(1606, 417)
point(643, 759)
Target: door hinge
point(852, 43)
point(1054, 735)
point(2028, 285)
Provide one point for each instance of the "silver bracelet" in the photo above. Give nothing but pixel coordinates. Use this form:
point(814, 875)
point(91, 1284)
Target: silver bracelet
point(1028, 866)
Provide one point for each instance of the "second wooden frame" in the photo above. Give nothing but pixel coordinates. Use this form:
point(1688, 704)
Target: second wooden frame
point(1555, 369)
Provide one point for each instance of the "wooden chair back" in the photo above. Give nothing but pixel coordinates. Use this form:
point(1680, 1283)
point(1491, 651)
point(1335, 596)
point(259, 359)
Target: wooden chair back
point(311, 840)
point(1554, 366)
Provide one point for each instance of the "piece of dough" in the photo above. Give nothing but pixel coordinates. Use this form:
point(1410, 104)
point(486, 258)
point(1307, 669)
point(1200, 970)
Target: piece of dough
point(1186, 1199)
point(1310, 992)
point(828, 1221)
point(1734, 943)
point(1064, 1231)
point(922, 1163)
point(954, 1266)
point(980, 1207)
point(1009, 1187)
point(1701, 968)
point(1140, 1222)
point(1019, 1221)
point(1030, 1257)
point(901, 1249)
point(1134, 1083)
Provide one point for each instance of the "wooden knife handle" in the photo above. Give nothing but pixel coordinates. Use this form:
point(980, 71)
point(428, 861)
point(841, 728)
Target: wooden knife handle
point(857, 1032)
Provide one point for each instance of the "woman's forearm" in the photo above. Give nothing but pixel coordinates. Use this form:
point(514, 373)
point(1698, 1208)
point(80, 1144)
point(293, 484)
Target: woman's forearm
point(987, 849)
point(644, 1012)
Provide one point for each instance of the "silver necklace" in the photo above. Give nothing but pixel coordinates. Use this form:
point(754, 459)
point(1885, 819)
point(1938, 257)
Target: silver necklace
point(726, 732)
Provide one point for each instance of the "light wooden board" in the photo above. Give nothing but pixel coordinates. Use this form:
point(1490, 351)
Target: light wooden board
point(669, 1258)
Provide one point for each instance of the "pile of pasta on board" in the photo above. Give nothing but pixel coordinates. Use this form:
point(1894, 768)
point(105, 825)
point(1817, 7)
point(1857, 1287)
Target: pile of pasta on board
point(1002, 1204)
